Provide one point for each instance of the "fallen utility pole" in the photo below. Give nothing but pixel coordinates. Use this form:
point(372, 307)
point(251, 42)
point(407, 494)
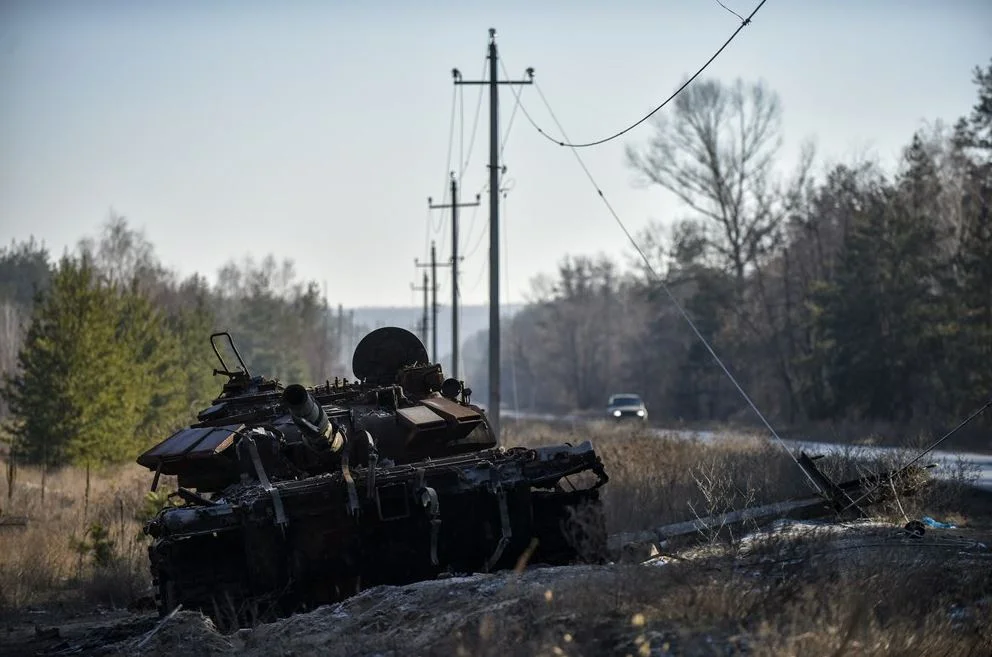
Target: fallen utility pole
point(454, 205)
point(434, 285)
point(835, 501)
point(494, 171)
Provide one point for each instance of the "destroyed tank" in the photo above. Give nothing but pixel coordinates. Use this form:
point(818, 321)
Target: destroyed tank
point(290, 497)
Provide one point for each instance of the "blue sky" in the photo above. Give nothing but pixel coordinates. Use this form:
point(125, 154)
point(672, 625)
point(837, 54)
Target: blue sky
point(317, 130)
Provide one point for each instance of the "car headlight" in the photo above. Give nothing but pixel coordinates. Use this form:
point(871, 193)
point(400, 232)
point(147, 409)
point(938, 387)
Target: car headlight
point(616, 413)
point(640, 413)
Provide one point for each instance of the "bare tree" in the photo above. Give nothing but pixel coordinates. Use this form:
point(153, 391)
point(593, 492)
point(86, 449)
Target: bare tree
point(126, 258)
point(577, 332)
point(715, 152)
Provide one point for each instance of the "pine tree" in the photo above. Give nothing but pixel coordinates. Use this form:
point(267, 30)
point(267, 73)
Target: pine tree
point(973, 138)
point(192, 326)
point(154, 368)
point(73, 400)
point(879, 316)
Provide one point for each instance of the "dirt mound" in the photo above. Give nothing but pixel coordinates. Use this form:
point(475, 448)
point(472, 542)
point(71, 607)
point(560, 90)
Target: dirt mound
point(451, 616)
point(185, 634)
point(479, 614)
point(796, 588)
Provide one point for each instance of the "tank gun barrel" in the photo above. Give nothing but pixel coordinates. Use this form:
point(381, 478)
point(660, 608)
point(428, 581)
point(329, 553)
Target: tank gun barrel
point(310, 416)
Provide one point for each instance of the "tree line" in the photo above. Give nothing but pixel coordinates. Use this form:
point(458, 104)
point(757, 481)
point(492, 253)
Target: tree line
point(857, 294)
point(106, 352)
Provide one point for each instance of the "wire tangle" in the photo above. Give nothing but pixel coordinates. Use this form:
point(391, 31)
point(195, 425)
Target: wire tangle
point(564, 140)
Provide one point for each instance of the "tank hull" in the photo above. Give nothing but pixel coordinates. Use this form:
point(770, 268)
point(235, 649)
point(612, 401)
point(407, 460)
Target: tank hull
point(242, 561)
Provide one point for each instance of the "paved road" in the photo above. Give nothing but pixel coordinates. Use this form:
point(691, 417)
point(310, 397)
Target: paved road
point(947, 461)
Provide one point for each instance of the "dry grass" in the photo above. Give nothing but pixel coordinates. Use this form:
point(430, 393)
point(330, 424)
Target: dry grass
point(656, 480)
point(939, 606)
point(73, 551)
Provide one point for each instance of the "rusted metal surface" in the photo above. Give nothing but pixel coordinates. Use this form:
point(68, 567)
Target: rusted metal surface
point(293, 497)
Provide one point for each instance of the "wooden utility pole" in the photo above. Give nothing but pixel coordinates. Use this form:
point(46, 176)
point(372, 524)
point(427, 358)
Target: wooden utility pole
point(423, 322)
point(494, 170)
point(454, 205)
point(434, 285)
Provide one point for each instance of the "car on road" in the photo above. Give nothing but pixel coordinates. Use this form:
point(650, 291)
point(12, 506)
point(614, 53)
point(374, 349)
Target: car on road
point(626, 405)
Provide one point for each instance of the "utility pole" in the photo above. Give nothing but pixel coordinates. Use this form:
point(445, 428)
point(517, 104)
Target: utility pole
point(433, 265)
point(494, 172)
point(423, 322)
point(454, 205)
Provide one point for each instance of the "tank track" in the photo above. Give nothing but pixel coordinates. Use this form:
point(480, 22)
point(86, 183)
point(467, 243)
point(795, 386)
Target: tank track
point(208, 585)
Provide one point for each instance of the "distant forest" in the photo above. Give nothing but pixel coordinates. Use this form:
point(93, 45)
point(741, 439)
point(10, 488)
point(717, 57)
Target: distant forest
point(857, 295)
point(104, 351)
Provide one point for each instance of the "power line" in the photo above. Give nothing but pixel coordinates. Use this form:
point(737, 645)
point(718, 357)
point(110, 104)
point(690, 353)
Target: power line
point(427, 230)
point(513, 114)
point(502, 150)
point(671, 296)
point(461, 130)
point(919, 456)
point(471, 147)
point(478, 278)
point(425, 288)
point(564, 142)
point(478, 241)
point(434, 226)
point(471, 229)
point(447, 167)
point(730, 10)
point(511, 329)
point(475, 124)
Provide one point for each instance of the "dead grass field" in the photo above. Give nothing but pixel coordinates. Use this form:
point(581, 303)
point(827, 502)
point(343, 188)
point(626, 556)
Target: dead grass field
point(657, 480)
point(883, 594)
point(59, 548)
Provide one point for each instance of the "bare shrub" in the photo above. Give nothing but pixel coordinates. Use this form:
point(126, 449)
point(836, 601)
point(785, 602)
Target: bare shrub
point(656, 479)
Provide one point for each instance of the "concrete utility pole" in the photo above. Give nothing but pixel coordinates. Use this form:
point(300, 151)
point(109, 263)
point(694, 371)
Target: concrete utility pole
point(454, 205)
point(433, 265)
point(494, 170)
point(423, 322)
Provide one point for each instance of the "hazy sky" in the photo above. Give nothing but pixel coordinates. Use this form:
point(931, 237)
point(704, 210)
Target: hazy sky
point(317, 130)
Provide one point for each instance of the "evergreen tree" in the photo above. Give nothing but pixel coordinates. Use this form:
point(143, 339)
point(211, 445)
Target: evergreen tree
point(973, 138)
point(192, 325)
point(154, 368)
point(24, 271)
point(880, 314)
point(73, 400)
